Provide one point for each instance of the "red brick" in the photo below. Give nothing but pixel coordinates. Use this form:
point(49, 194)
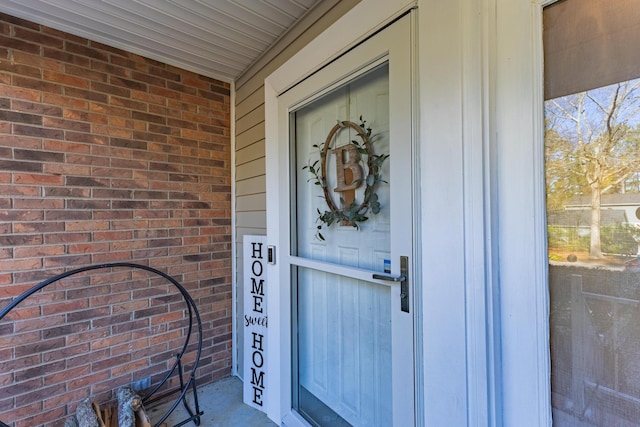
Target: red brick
point(66, 79)
point(112, 235)
point(87, 380)
point(194, 80)
point(46, 416)
point(37, 372)
point(66, 169)
point(54, 122)
point(85, 73)
point(105, 129)
point(133, 178)
point(63, 57)
point(19, 45)
point(22, 412)
point(123, 246)
point(125, 183)
point(29, 179)
point(149, 98)
point(36, 84)
point(20, 93)
point(82, 49)
point(37, 37)
point(87, 248)
point(39, 347)
point(65, 101)
point(23, 264)
point(129, 225)
point(93, 118)
point(111, 299)
point(30, 277)
point(110, 341)
point(89, 204)
point(92, 313)
point(15, 215)
point(62, 399)
point(38, 324)
point(64, 307)
point(130, 307)
point(66, 146)
point(74, 226)
point(120, 122)
point(113, 383)
point(88, 94)
point(38, 227)
point(102, 108)
point(112, 362)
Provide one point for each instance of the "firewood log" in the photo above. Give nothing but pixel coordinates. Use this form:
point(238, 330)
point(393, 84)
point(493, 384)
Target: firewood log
point(128, 403)
point(98, 412)
point(71, 422)
point(108, 416)
point(142, 420)
point(85, 414)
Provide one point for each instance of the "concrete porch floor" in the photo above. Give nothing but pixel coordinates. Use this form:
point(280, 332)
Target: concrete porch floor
point(222, 404)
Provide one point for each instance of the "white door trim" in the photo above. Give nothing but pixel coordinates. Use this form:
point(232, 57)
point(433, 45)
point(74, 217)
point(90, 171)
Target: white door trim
point(337, 39)
point(460, 283)
point(521, 214)
point(480, 73)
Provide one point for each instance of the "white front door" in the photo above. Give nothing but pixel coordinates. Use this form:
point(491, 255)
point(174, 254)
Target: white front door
point(346, 237)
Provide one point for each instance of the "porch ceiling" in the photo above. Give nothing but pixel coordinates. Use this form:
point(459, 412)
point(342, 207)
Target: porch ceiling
point(216, 38)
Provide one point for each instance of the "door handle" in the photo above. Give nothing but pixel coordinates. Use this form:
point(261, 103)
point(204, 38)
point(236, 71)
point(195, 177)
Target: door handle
point(390, 278)
point(404, 282)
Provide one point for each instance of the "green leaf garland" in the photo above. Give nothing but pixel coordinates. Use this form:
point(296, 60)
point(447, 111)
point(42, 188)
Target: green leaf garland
point(355, 213)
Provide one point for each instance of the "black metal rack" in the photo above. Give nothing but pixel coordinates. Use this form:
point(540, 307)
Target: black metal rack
point(152, 396)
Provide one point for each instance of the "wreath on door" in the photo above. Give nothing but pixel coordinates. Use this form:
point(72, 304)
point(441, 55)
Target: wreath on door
point(352, 213)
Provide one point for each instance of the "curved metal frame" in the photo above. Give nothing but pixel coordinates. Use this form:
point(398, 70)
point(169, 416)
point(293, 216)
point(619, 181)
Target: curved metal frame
point(193, 312)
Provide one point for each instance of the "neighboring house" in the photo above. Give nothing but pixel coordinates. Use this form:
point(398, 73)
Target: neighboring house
point(627, 202)
point(455, 332)
point(581, 218)
point(574, 222)
point(569, 229)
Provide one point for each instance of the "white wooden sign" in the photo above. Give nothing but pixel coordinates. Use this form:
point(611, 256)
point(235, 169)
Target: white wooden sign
point(255, 321)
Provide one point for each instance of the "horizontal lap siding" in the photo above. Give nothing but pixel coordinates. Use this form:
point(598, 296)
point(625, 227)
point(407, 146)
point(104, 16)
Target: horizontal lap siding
point(106, 156)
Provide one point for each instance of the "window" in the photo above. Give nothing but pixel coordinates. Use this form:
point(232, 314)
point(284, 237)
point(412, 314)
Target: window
point(592, 155)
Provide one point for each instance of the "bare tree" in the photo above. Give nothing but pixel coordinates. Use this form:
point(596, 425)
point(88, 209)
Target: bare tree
point(592, 146)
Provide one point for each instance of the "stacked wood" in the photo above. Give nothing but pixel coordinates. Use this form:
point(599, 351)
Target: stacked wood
point(85, 414)
point(128, 404)
point(128, 413)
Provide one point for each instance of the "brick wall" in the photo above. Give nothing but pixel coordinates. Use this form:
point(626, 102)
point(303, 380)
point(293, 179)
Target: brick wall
point(106, 156)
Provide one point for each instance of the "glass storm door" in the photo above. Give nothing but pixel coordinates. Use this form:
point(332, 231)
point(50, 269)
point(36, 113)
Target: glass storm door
point(349, 188)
